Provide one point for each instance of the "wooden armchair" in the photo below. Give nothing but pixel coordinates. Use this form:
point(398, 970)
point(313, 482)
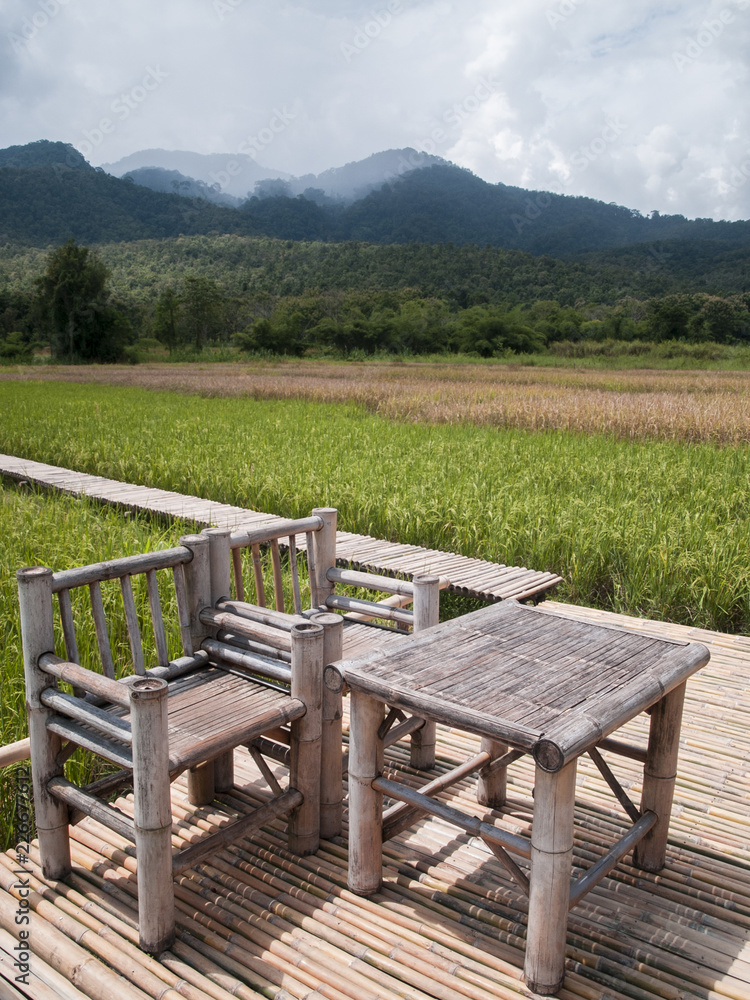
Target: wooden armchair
point(183, 713)
point(246, 631)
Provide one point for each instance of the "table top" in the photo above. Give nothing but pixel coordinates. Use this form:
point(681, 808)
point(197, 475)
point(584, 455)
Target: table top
point(536, 680)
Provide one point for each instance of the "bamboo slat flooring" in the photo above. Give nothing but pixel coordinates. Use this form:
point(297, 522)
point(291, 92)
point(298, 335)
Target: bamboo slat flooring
point(448, 924)
point(479, 578)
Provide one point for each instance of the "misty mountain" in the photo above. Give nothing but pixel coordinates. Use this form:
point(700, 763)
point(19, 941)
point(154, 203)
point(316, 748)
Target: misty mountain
point(357, 179)
point(47, 201)
point(173, 182)
point(234, 173)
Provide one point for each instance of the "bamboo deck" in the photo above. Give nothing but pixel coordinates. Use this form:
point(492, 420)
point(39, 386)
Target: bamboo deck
point(488, 581)
point(448, 923)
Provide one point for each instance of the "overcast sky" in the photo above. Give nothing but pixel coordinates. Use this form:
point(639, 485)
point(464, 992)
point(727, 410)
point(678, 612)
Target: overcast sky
point(640, 103)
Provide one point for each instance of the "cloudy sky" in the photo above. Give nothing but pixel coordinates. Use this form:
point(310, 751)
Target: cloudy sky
point(640, 103)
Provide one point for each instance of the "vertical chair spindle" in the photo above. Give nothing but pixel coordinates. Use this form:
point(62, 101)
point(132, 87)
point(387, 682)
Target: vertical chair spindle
point(295, 574)
point(260, 592)
point(157, 619)
point(239, 589)
point(331, 782)
point(278, 583)
point(221, 560)
point(102, 633)
point(69, 631)
point(134, 632)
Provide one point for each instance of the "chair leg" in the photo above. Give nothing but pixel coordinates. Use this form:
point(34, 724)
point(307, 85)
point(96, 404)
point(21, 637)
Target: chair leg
point(426, 614)
point(153, 814)
point(331, 761)
point(306, 739)
point(201, 784)
point(224, 772)
point(38, 637)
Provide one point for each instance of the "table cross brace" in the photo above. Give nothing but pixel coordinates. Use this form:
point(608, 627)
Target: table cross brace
point(619, 792)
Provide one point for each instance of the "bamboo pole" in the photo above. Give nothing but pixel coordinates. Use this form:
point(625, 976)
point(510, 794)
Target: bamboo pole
point(551, 863)
point(38, 638)
point(306, 739)
point(492, 783)
point(152, 813)
point(659, 774)
point(324, 555)
point(331, 782)
point(199, 586)
point(12, 753)
point(366, 760)
point(89, 974)
point(426, 614)
point(220, 570)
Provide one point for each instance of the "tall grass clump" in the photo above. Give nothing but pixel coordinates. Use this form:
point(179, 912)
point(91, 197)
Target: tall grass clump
point(650, 528)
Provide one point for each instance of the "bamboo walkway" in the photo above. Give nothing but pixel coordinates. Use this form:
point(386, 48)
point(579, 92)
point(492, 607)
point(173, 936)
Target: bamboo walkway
point(258, 922)
point(471, 577)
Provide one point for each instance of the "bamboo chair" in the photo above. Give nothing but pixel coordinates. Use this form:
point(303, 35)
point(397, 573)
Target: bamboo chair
point(249, 633)
point(181, 714)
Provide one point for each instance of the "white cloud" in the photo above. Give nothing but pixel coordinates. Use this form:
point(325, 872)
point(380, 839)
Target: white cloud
point(630, 101)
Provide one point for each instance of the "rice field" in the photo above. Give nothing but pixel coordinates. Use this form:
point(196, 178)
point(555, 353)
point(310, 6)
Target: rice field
point(688, 406)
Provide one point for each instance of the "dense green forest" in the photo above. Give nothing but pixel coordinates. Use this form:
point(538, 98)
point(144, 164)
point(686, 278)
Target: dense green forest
point(290, 297)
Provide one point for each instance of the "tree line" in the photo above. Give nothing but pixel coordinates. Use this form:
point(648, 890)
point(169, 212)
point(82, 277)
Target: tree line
point(72, 309)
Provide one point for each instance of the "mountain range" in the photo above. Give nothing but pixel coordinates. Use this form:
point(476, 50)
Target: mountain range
point(50, 193)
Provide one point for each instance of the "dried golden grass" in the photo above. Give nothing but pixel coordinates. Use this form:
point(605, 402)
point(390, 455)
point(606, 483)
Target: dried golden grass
point(635, 405)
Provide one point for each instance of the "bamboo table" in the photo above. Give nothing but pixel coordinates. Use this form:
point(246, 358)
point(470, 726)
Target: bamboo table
point(527, 681)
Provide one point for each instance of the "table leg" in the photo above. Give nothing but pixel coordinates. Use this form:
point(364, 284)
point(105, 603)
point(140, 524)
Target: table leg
point(551, 864)
point(659, 776)
point(365, 803)
point(491, 786)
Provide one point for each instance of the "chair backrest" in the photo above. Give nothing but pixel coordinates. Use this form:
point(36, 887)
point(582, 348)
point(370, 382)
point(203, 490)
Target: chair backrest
point(259, 572)
point(103, 604)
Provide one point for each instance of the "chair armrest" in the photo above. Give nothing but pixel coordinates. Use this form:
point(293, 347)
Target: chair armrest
point(86, 680)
